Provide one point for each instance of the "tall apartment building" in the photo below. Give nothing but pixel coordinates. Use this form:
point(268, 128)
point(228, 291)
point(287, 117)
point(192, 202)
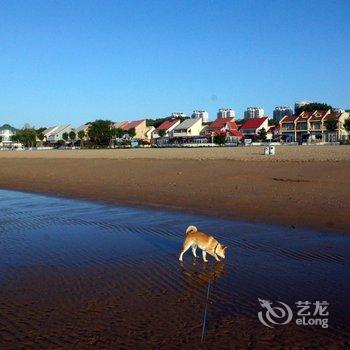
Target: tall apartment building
point(253, 113)
point(281, 111)
point(226, 113)
point(198, 113)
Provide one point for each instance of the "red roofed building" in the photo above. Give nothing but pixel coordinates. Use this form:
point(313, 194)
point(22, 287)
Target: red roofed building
point(225, 127)
point(139, 126)
point(313, 126)
point(167, 127)
point(340, 132)
point(251, 127)
point(287, 127)
point(316, 124)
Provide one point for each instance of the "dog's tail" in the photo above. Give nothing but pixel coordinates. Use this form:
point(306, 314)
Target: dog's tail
point(191, 228)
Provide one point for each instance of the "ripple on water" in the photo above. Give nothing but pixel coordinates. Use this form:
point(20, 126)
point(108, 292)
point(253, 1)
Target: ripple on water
point(76, 272)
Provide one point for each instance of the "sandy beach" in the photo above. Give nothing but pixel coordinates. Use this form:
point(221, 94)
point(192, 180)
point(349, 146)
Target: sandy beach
point(305, 186)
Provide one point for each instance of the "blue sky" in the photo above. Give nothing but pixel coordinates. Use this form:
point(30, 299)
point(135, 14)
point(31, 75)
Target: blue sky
point(74, 61)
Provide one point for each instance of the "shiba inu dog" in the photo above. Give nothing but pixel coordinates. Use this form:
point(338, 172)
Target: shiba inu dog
point(208, 244)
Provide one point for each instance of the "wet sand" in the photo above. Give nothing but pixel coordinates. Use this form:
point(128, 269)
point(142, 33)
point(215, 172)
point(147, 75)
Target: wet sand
point(305, 186)
point(88, 275)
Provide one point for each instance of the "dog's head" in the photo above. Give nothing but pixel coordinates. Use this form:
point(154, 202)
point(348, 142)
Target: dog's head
point(221, 250)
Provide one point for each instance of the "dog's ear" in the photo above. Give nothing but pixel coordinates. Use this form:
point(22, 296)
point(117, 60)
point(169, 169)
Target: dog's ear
point(224, 247)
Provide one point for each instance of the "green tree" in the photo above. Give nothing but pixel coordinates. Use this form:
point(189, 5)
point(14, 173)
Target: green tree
point(72, 137)
point(15, 138)
point(313, 107)
point(220, 139)
point(132, 132)
point(25, 136)
point(347, 125)
point(161, 133)
point(40, 130)
point(262, 134)
point(100, 132)
point(41, 137)
point(81, 134)
point(158, 121)
point(119, 133)
point(65, 136)
point(61, 143)
point(331, 124)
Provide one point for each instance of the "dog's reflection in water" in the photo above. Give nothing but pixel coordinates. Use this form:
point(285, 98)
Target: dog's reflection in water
point(199, 274)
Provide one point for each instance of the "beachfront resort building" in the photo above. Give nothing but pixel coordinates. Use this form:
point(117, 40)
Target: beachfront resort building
point(224, 127)
point(166, 128)
point(198, 113)
point(251, 128)
point(6, 132)
point(85, 129)
point(189, 127)
point(253, 113)
point(48, 131)
point(139, 126)
point(149, 132)
point(326, 126)
point(226, 113)
point(280, 112)
point(55, 133)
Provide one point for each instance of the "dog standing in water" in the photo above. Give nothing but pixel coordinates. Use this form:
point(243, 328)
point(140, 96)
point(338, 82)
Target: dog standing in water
point(208, 244)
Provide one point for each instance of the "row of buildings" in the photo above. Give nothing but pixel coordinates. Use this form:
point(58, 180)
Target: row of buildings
point(174, 129)
point(307, 126)
point(312, 126)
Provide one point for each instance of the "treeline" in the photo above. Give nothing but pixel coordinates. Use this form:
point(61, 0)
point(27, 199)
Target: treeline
point(311, 107)
point(159, 121)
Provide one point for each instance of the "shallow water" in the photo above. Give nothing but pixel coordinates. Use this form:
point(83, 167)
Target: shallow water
point(77, 273)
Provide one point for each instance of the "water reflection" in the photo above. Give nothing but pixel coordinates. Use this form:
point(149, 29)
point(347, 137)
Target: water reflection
point(198, 274)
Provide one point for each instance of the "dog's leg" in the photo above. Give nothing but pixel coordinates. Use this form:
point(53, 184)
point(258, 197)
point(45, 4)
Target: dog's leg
point(216, 257)
point(204, 254)
point(194, 250)
point(186, 246)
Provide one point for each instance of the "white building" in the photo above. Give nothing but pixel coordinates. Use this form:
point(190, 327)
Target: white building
point(166, 128)
point(6, 131)
point(252, 126)
point(339, 110)
point(281, 111)
point(189, 127)
point(48, 131)
point(178, 115)
point(57, 132)
point(226, 113)
point(198, 113)
point(149, 132)
point(253, 113)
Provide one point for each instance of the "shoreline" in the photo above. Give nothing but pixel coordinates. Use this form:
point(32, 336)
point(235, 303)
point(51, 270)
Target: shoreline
point(313, 194)
point(181, 210)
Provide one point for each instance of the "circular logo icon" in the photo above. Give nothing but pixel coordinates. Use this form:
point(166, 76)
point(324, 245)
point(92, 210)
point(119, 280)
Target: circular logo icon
point(274, 315)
